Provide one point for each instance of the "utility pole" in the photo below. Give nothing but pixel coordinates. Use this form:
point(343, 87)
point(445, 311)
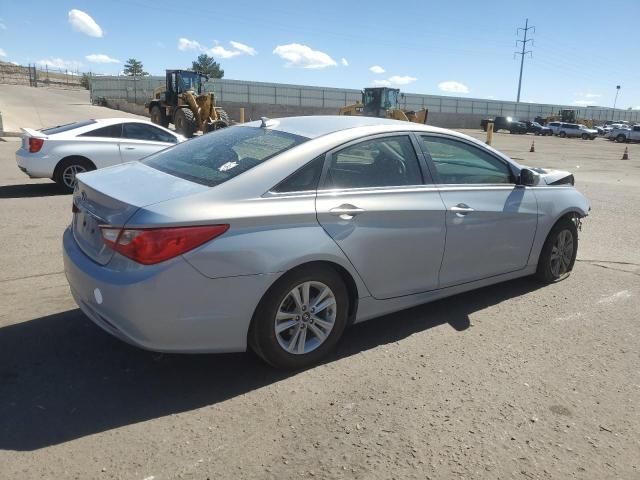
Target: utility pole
point(613, 114)
point(524, 51)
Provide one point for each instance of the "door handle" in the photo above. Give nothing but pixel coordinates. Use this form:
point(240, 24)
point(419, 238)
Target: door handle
point(129, 148)
point(346, 211)
point(461, 209)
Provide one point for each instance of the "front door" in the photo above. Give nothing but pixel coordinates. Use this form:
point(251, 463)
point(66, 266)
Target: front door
point(389, 222)
point(491, 221)
point(140, 140)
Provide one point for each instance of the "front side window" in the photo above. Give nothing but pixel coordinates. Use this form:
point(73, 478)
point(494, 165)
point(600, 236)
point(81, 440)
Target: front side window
point(140, 131)
point(219, 156)
point(460, 163)
point(381, 162)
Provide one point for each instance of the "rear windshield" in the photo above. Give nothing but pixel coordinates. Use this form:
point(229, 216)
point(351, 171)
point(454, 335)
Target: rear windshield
point(66, 127)
point(217, 157)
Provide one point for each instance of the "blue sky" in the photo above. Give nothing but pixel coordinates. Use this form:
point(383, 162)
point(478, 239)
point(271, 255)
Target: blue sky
point(582, 49)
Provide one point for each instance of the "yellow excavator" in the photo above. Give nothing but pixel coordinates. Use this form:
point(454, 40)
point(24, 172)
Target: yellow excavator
point(184, 103)
point(383, 102)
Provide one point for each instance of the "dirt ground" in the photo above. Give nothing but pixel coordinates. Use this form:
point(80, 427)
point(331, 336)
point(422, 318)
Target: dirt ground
point(517, 380)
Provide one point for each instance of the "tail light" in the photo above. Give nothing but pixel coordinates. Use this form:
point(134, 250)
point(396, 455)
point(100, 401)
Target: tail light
point(154, 245)
point(35, 144)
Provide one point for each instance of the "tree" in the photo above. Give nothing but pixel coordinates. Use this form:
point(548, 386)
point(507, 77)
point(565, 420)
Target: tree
point(134, 68)
point(85, 81)
point(208, 65)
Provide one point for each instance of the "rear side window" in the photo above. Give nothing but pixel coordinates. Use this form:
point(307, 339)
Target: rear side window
point(140, 131)
point(380, 162)
point(219, 156)
point(112, 131)
point(66, 127)
point(304, 179)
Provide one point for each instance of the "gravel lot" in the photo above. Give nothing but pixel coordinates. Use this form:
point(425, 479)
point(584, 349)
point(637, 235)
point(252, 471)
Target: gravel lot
point(518, 380)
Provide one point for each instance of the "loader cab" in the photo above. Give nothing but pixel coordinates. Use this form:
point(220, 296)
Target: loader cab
point(376, 101)
point(179, 81)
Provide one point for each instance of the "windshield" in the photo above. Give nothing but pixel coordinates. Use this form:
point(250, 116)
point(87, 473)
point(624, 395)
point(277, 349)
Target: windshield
point(216, 157)
point(189, 81)
point(391, 99)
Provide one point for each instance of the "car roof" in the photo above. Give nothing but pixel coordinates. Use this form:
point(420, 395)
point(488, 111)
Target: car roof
point(317, 126)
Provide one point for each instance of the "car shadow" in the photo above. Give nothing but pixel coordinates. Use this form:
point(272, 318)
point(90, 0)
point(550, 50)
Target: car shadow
point(29, 190)
point(62, 378)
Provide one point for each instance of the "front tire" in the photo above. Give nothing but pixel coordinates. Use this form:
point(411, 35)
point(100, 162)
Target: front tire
point(158, 116)
point(621, 138)
point(66, 171)
point(185, 122)
point(300, 318)
point(585, 136)
point(562, 134)
point(558, 253)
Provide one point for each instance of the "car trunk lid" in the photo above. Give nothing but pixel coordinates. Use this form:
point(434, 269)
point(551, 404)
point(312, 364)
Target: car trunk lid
point(110, 197)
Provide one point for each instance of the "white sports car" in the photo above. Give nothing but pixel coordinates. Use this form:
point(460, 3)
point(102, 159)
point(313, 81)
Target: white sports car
point(62, 152)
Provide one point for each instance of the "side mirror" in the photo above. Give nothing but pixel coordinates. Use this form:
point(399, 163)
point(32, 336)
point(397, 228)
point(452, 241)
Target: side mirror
point(528, 178)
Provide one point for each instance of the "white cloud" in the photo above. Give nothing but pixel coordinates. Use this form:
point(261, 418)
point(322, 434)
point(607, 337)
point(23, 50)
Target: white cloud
point(588, 95)
point(583, 103)
point(453, 87)
point(2, 26)
point(376, 69)
point(298, 55)
point(402, 80)
point(395, 80)
point(186, 44)
point(101, 58)
point(243, 48)
point(59, 63)
point(3, 53)
point(344, 62)
point(82, 22)
point(218, 51)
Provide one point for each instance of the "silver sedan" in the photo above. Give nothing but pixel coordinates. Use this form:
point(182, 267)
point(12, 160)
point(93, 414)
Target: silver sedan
point(279, 234)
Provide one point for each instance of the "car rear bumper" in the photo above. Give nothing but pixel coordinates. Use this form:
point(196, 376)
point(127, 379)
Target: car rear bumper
point(35, 165)
point(169, 307)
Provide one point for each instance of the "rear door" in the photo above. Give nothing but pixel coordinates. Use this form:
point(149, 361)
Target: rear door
point(380, 207)
point(140, 140)
point(491, 221)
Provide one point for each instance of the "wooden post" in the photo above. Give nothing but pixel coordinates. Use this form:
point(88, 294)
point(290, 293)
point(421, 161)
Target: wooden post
point(489, 133)
point(241, 114)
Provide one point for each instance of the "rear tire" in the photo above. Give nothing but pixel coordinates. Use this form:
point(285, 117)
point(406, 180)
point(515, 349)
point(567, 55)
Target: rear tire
point(158, 116)
point(66, 171)
point(291, 336)
point(185, 122)
point(559, 252)
point(562, 134)
point(621, 138)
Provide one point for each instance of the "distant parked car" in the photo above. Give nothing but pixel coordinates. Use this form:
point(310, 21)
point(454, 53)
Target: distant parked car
point(618, 130)
point(504, 123)
point(576, 130)
point(627, 134)
point(537, 129)
point(62, 152)
point(555, 127)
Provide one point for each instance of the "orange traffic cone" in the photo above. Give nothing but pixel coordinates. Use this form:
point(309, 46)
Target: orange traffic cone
point(533, 146)
point(625, 155)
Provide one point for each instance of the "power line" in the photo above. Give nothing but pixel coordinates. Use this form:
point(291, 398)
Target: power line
point(524, 51)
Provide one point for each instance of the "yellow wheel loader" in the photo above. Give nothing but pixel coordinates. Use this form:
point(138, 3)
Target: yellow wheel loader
point(383, 102)
point(184, 103)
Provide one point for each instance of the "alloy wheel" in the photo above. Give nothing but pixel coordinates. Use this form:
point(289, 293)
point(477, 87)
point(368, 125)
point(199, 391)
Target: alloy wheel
point(69, 175)
point(562, 253)
point(305, 317)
